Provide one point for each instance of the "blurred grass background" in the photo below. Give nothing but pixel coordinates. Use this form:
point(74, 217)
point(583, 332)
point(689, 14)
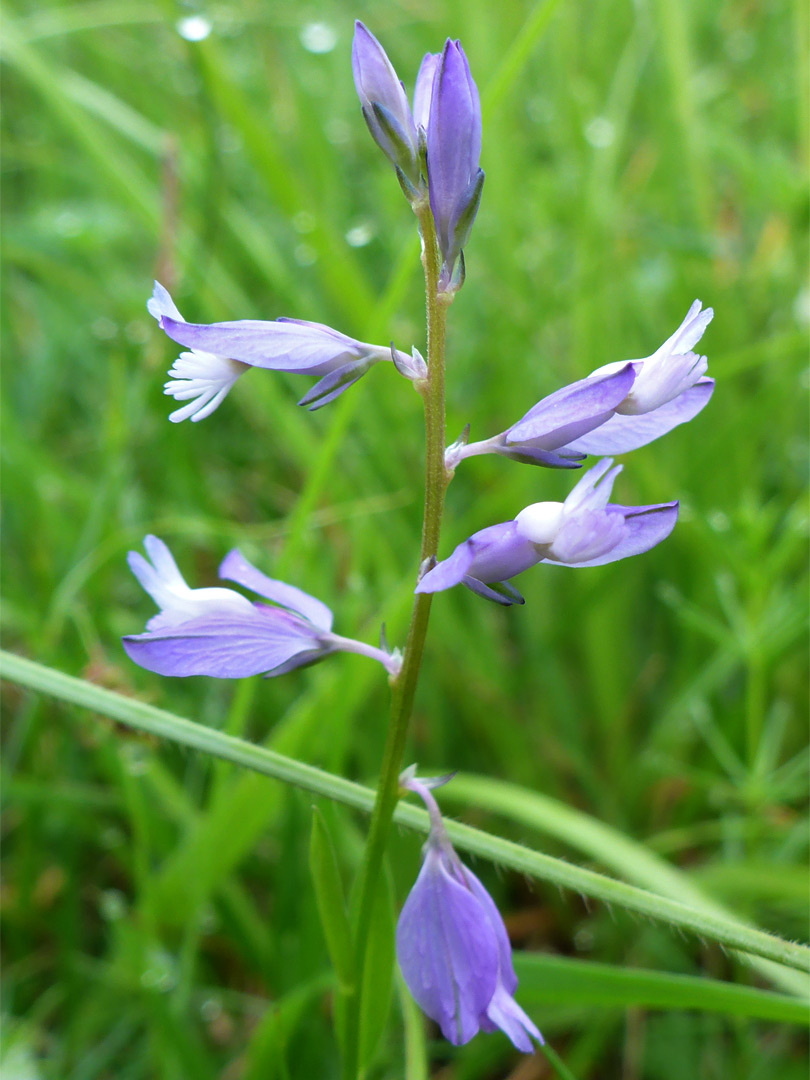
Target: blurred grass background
point(158, 915)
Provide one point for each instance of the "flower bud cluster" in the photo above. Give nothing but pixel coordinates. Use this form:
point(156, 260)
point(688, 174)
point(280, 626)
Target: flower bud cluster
point(440, 137)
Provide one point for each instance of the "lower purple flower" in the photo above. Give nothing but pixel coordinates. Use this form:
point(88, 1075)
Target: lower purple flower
point(220, 633)
point(585, 530)
point(452, 946)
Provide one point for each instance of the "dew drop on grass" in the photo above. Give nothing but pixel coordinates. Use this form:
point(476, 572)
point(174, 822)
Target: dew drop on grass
point(718, 521)
point(210, 1009)
point(359, 235)
point(305, 255)
point(113, 905)
point(318, 37)
point(194, 28)
point(161, 974)
point(600, 132)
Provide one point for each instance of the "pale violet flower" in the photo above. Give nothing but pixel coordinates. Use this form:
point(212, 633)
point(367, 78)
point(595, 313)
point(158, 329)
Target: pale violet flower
point(619, 407)
point(384, 104)
point(455, 180)
point(670, 388)
point(221, 352)
point(585, 530)
point(452, 946)
point(220, 633)
point(543, 435)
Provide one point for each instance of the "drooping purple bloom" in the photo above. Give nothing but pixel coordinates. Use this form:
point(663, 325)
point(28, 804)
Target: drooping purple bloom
point(585, 530)
point(220, 633)
point(384, 104)
point(452, 946)
point(670, 388)
point(453, 148)
point(221, 352)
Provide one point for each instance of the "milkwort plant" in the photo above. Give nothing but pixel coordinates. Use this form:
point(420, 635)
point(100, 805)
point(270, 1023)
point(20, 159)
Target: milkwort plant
point(451, 943)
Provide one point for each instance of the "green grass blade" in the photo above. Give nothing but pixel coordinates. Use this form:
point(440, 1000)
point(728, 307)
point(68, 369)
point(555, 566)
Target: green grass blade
point(136, 714)
point(329, 898)
point(546, 980)
point(625, 856)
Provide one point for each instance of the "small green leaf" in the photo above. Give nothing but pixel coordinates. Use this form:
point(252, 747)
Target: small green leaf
point(329, 898)
point(378, 969)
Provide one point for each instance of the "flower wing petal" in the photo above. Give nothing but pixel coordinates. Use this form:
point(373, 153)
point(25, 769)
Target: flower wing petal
point(572, 411)
point(235, 567)
point(644, 527)
point(222, 646)
point(423, 89)
point(621, 433)
point(586, 536)
point(279, 346)
point(493, 917)
point(160, 303)
point(493, 554)
point(505, 1013)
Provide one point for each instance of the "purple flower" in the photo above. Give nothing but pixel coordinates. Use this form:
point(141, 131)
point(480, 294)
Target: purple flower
point(670, 388)
point(384, 104)
point(220, 633)
point(453, 148)
point(221, 352)
point(585, 530)
point(452, 945)
point(617, 408)
point(541, 437)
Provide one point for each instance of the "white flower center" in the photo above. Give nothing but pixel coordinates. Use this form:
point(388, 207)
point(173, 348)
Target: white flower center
point(540, 522)
point(203, 379)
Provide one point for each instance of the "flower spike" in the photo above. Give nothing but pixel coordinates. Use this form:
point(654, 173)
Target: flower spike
point(451, 943)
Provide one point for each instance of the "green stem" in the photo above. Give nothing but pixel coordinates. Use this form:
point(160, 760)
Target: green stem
point(404, 686)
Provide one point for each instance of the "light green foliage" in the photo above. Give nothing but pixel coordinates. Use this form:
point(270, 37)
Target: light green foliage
point(160, 919)
point(329, 897)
